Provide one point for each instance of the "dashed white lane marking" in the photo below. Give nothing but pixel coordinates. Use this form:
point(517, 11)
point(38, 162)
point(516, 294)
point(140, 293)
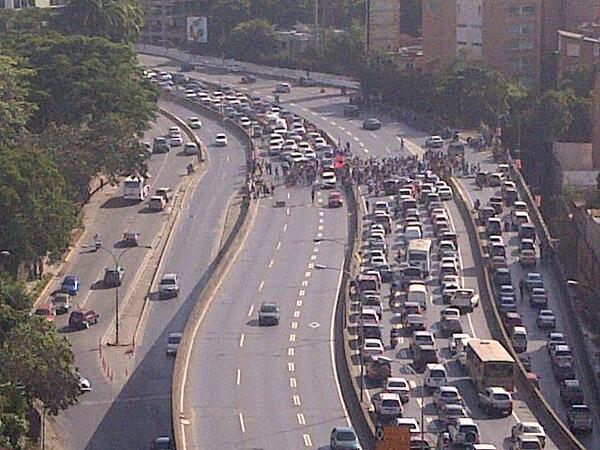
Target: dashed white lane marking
point(303, 108)
point(271, 263)
point(361, 144)
point(292, 104)
point(321, 213)
point(313, 257)
point(374, 136)
point(261, 286)
point(291, 351)
point(242, 340)
point(321, 220)
point(355, 138)
point(242, 424)
point(342, 128)
point(301, 419)
point(278, 245)
point(296, 400)
point(298, 303)
point(316, 249)
point(333, 123)
point(291, 367)
point(307, 440)
point(319, 235)
point(304, 283)
point(366, 150)
point(294, 325)
point(387, 149)
point(310, 266)
point(348, 133)
point(289, 195)
point(296, 314)
point(301, 293)
point(287, 211)
point(285, 227)
point(292, 337)
point(251, 310)
point(321, 227)
point(238, 378)
point(293, 383)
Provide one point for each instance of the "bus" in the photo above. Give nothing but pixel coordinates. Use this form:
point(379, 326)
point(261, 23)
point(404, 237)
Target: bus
point(135, 188)
point(489, 364)
point(418, 255)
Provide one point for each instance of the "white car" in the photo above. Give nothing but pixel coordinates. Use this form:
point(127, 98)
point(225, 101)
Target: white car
point(191, 148)
point(373, 346)
point(310, 154)
point(434, 142)
point(84, 384)
point(173, 342)
point(387, 404)
point(245, 122)
point(445, 193)
point(546, 319)
point(528, 429)
point(399, 386)
point(176, 141)
point(328, 179)
point(221, 140)
point(174, 131)
point(195, 123)
point(190, 93)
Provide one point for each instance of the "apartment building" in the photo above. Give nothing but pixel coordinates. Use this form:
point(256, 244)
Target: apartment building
point(575, 49)
point(503, 34)
point(383, 33)
point(164, 22)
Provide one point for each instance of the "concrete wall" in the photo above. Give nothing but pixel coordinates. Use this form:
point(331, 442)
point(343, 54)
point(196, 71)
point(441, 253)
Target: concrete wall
point(439, 32)
point(384, 25)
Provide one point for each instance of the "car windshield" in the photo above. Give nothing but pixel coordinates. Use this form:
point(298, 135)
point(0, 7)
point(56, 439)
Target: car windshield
point(346, 436)
point(174, 339)
point(396, 384)
point(168, 281)
point(530, 429)
point(268, 308)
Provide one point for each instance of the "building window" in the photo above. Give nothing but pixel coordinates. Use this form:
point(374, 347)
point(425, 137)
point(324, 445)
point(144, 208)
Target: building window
point(514, 11)
point(528, 10)
point(528, 28)
point(461, 25)
point(514, 29)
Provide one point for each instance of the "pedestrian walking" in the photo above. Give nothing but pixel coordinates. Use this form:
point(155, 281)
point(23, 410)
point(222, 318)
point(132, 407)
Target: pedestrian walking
point(367, 204)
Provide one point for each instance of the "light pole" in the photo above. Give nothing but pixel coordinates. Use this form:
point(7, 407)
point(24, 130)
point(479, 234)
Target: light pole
point(116, 261)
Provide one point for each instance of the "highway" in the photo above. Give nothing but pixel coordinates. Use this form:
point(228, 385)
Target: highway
point(103, 418)
point(540, 359)
point(324, 109)
point(271, 387)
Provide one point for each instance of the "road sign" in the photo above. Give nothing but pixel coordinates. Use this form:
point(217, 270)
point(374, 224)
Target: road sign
point(395, 438)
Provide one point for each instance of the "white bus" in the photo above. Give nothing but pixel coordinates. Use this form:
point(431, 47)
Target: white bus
point(418, 255)
point(135, 188)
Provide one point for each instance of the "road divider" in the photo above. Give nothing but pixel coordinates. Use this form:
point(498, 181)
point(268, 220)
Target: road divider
point(553, 424)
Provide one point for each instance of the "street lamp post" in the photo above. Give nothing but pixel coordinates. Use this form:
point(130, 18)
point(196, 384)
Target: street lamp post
point(116, 261)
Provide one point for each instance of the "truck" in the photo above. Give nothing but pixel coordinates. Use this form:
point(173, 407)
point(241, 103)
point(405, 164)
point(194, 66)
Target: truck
point(489, 364)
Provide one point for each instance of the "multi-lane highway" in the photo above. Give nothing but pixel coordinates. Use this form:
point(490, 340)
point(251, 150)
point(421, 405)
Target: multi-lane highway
point(124, 417)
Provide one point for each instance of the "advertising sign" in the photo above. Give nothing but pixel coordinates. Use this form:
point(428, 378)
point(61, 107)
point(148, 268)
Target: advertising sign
point(197, 30)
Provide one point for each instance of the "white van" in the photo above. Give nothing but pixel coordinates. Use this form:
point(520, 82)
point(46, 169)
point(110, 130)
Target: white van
point(435, 376)
point(417, 293)
point(518, 339)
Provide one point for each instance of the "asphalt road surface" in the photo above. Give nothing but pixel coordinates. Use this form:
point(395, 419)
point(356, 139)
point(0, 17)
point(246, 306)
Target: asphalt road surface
point(129, 418)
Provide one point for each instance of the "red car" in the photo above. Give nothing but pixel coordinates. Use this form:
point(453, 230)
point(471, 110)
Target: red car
point(335, 200)
point(48, 312)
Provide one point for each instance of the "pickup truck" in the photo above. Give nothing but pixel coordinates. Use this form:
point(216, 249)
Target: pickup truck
point(496, 399)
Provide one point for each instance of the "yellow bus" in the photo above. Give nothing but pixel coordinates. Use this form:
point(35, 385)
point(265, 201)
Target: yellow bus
point(489, 364)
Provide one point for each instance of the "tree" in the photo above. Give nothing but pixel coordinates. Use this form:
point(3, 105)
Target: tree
point(15, 110)
point(251, 41)
point(25, 19)
point(36, 217)
point(14, 294)
point(224, 16)
point(36, 357)
point(99, 75)
point(118, 20)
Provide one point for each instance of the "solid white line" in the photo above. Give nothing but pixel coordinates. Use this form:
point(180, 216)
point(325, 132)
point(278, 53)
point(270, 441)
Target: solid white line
point(239, 377)
point(242, 424)
point(332, 346)
point(251, 310)
point(242, 340)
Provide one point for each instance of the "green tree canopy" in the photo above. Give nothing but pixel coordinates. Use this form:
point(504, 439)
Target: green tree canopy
point(37, 216)
point(81, 79)
point(15, 110)
point(36, 357)
point(252, 40)
point(117, 20)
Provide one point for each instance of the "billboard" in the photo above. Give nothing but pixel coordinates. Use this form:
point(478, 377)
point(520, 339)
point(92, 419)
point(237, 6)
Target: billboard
point(197, 30)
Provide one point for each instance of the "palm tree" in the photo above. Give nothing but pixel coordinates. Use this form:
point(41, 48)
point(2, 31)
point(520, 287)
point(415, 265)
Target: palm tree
point(117, 20)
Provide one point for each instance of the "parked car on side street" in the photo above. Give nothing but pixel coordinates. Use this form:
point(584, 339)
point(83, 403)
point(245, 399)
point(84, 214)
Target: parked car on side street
point(83, 318)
